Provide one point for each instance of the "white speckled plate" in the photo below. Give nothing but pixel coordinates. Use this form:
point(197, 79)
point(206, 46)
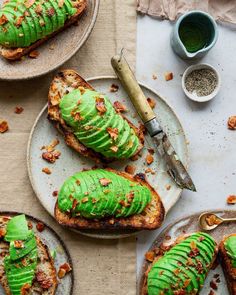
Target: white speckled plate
point(70, 162)
point(189, 225)
point(65, 45)
point(54, 242)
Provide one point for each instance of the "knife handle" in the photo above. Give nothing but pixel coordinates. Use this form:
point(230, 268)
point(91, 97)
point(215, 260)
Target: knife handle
point(130, 84)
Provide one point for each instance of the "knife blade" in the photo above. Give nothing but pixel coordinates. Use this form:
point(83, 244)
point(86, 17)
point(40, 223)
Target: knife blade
point(175, 167)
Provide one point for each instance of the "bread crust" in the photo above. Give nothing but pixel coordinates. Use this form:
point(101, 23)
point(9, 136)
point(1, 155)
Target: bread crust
point(229, 270)
point(63, 82)
point(18, 53)
point(46, 264)
point(151, 218)
point(143, 290)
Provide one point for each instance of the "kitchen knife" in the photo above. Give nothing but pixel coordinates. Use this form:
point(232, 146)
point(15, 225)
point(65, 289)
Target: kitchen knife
point(175, 168)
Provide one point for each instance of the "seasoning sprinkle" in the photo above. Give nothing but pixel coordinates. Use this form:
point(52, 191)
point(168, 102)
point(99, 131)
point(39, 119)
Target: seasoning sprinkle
point(201, 82)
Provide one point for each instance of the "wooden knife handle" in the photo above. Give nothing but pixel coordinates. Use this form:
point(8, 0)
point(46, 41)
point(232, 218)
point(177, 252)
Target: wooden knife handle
point(129, 82)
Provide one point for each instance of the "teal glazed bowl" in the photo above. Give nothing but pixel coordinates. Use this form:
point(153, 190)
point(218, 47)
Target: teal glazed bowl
point(194, 34)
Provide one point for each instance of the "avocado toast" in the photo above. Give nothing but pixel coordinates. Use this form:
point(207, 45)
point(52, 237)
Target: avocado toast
point(26, 24)
point(182, 267)
point(89, 122)
point(108, 199)
point(227, 252)
point(26, 265)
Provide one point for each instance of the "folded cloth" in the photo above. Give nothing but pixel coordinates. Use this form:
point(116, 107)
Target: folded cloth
point(222, 10)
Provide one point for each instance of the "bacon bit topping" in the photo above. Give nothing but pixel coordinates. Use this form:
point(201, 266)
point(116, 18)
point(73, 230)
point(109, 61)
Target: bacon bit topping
point(3, 19)
point(194, 252)
point(100, 105)
point(19, 21)
point(30, 225)
point(51, 11)
point(85, 200)
point(18, 110)
point(105, 181)
point(63, 270)
point(186, 283)
point(213, 285)
point(130, 169)
point(114, 88)
point(154, 77)
point(46, 170)
point(52, 156)
point(231, 200)
point(2, 232)
point(77, 181)
point(113, 132)
point(232, 123)
point(149, 170)
point(151, 151)
point(44, 282)
point(25, 289)
point(29, 3)
point(151, 102)
point(55, 193)
point(18, 244)
point(61, 3)
point(150, 255)
point(3, 126)
point(114, 148)
point(169, 76)
point(212, 220)
point(149, 159)
point(34, 54)
point(119, 107)
point(40, 226)
point(38, 9)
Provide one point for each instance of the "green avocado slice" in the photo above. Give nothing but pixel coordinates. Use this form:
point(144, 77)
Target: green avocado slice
point(230, 246)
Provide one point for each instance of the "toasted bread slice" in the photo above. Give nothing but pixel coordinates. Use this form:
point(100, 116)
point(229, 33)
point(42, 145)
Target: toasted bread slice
point(17, 53)
point(151, 218)
point(63, 83)
point(46, 271)
point(229, 270)
point(161, 252)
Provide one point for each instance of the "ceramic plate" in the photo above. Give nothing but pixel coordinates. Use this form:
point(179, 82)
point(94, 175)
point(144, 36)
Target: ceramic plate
point(70, 162)
point(189, 225)
point(54, 242)
point(65, 45)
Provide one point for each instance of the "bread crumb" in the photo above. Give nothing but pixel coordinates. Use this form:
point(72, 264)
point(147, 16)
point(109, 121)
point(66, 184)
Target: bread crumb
point(46, 170)
point(169, 76)
point(149, 159)
point(231, 200)
point(232, 123)
point(151, 102)
point(34, 54)
point(18, 110)
point(3, 126)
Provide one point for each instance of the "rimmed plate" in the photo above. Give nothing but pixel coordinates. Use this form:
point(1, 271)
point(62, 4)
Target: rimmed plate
point(189, 225)
point(43, 133)
point(55, 51)
point(54, 242)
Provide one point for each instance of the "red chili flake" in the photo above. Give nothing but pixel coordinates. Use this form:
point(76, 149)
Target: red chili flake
point(55, 193)
point(25, 289)
point(40, 226)
point(18, 110)
point(3, 19)
point(150, 255)
point(169, 76)
point(149, 159)
point(75, 203)
point(151, 151)
point(231, 200)
point(130, 169)
point(29, 3)
point(213, 285)
point(51, 11)
point(2, 232)
point(232, 123)
point(194, 252)
point(34, 54)
point(114, 88)
point(104, 181)
point(119, 107)
point(30, 225)
point(19, 21)
point(114, 148)
point(151, 102)
point(3, 126)
point(43, 280)
point(100, 105)
point(113, 132)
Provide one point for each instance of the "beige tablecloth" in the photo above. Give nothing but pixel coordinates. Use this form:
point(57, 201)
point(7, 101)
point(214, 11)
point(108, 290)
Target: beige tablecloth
point(101, 267)
point(222, 10)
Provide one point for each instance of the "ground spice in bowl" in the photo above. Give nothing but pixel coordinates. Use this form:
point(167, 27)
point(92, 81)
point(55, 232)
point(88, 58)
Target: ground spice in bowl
point(201, 82)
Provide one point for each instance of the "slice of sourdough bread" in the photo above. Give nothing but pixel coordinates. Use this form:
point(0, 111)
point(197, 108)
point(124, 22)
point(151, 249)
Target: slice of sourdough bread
point(151, 218)
point(17, 53)
point(63, 83)
point(45, 281)
point(229, 270)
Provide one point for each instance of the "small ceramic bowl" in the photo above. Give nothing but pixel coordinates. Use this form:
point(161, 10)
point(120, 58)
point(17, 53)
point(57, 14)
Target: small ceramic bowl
point(194, 96)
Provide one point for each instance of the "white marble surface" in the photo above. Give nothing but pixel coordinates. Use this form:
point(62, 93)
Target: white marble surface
point(212, 147)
